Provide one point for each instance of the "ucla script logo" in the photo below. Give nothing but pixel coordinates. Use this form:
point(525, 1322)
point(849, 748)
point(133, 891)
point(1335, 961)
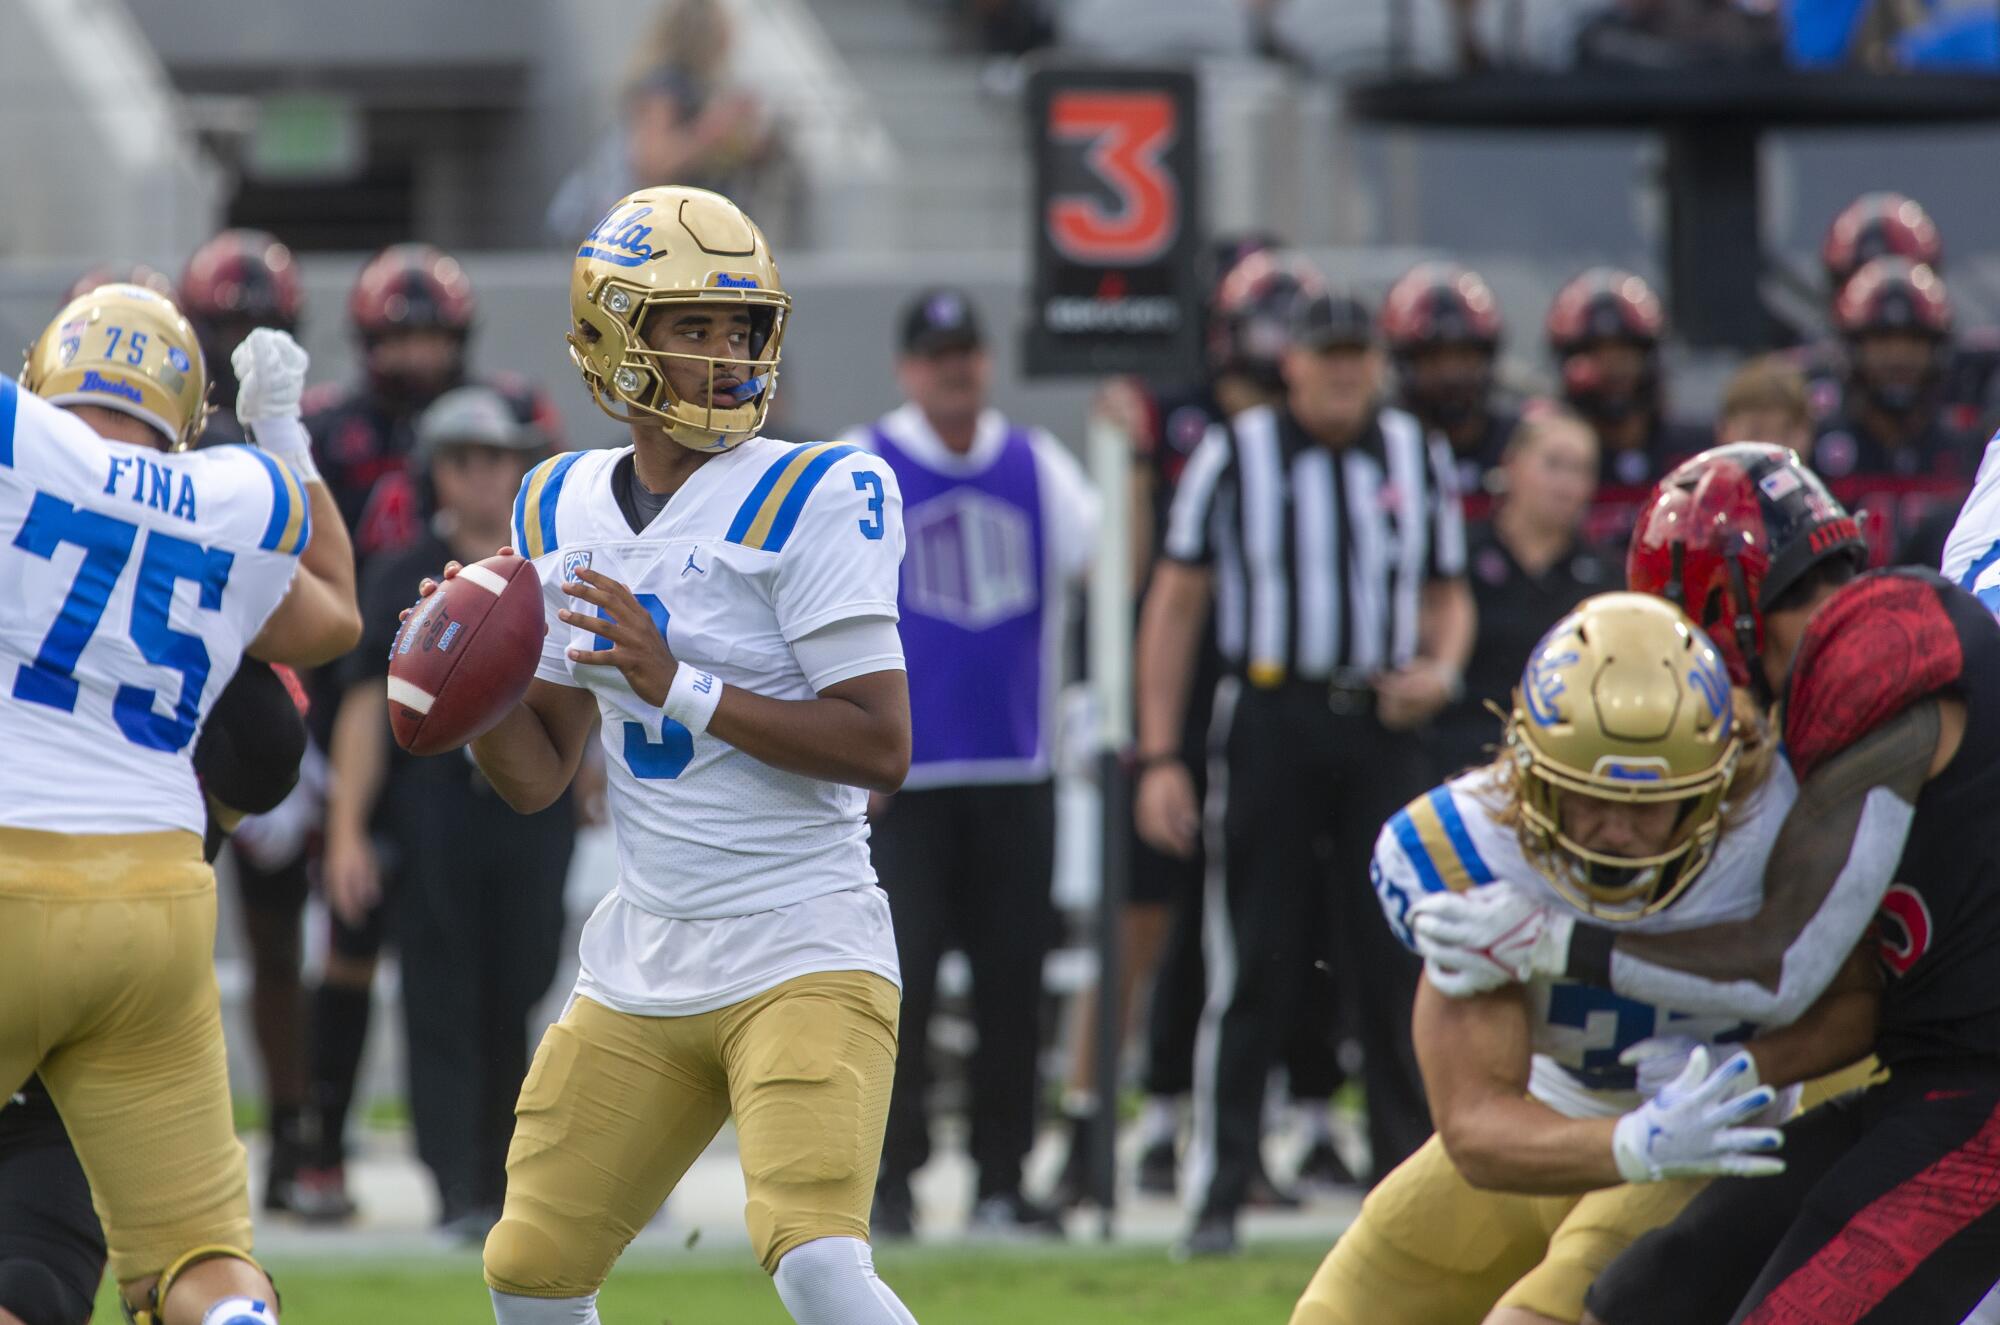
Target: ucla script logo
point(620, 238)
point(1712, 682)
point(1546, 685)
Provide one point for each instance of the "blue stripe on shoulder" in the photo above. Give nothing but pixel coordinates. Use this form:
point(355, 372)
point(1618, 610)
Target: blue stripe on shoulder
point(1413, 847)
point(550, 491)
point(795, 500)
point(746, 514)
point(281, 502)
point(10, 399)
point(1461, 839)
point(521, 511)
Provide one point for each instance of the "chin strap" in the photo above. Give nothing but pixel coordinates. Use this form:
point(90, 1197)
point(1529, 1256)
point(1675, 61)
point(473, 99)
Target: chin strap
point(150, 1313)
point(1745, 628)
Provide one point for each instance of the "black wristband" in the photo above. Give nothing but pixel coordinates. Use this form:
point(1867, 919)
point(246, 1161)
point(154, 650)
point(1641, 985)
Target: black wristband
point(1146, 763)
point(1589, 958)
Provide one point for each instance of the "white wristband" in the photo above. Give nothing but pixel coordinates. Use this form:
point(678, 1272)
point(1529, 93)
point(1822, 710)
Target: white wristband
point(692, 698)
point(287, 440)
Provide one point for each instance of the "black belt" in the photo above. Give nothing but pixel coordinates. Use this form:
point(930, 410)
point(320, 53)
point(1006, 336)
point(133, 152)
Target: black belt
point(1347, 691)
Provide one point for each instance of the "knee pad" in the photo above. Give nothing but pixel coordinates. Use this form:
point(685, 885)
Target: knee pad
point(527, 1259)
point(31, 1292)
point(150, 1313)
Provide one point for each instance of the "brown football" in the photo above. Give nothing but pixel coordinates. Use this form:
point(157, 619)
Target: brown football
point(465, 655)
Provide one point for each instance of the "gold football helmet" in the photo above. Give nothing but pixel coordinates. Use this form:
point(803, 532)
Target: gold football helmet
point(127, 348)
point(674, 245)
point(1624, 700)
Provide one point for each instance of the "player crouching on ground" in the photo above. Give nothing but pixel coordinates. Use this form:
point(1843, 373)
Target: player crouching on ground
point(1632, 782)
point(727, 602)
point(138, 574)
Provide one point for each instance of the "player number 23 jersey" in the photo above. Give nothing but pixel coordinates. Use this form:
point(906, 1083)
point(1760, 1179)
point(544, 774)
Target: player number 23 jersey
point(130, 581)
point(764, 545)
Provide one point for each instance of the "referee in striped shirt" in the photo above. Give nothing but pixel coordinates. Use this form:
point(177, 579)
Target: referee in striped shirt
point(1328, 534)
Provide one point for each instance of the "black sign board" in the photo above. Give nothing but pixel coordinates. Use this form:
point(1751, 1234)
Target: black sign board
point(1117, 216)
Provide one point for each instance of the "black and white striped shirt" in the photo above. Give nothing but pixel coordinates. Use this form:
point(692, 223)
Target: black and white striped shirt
point(1319, 555)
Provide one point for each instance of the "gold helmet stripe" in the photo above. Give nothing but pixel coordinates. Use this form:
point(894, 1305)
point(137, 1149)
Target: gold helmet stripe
point(767, 515)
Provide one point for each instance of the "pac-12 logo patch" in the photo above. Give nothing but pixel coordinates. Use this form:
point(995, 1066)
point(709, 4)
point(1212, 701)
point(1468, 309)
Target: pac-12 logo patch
point(572, 563)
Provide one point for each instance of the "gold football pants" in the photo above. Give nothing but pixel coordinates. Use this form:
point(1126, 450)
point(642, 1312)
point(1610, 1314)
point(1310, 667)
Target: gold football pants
point(1431, 1249)
point(107, 988)
point(616, 1107)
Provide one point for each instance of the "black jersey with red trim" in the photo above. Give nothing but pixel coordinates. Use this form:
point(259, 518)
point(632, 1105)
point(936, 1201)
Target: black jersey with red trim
point(363, 443)
point(1880, 642)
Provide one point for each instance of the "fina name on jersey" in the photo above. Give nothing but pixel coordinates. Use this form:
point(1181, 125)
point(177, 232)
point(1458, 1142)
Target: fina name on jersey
point(136, 578)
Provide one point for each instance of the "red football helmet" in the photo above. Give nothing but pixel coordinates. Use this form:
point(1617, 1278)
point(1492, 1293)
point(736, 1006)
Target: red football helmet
point(408, 287)
point(1440, 303)
point(1894, 294)
point(1729, 531)
point(243, 276)
point(1605, 304)
point(1873, 225)
point(1250, 324)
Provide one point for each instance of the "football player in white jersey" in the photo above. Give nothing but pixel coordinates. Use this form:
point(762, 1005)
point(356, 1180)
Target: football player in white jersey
point(1972, 552)
point(1633, 785)
point(138, 574)
point(727, 604)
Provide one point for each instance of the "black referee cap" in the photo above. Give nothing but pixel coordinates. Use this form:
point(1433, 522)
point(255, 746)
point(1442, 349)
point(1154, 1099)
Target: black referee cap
point(939, 320)
point(1338, 319)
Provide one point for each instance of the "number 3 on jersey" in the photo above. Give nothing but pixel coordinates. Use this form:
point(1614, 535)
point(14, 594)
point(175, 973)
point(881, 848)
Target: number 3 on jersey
point(107, 546)
point(871, 483)
point(668, 757)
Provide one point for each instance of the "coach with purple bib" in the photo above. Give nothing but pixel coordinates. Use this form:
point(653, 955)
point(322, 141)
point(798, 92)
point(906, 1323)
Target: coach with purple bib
point(1001, 524)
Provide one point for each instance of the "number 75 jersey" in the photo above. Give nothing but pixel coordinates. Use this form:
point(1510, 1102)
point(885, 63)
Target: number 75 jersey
point(763, 546)
point(130, 581)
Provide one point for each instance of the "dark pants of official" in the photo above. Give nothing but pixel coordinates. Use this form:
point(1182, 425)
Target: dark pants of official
point(1297, 796)
point(1887, 1213)
point(478, 927)
point(969, 868)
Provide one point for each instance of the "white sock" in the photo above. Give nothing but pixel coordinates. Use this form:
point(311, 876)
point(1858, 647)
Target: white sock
point(512, 1309)
point(832, 1281)
point(1159, 1121)
point(240, 1311)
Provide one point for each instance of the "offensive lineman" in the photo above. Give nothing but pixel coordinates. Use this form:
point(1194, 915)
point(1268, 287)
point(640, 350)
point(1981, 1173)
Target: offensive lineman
point(728, 603)
point(141, 574)
point(1635, 786)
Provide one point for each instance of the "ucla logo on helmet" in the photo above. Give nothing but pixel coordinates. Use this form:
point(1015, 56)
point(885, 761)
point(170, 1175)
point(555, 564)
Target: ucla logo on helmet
point(619, 238)
point(111, 386)
point(725, 281)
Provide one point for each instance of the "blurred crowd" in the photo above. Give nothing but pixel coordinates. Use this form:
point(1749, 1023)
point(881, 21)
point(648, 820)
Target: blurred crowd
point(1525, 503)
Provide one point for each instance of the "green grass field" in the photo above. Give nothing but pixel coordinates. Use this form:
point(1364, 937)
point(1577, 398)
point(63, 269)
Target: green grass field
point(1075, 1285)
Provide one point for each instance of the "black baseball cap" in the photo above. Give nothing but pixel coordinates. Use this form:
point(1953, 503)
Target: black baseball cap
point(939, 319)
point(1338, 319)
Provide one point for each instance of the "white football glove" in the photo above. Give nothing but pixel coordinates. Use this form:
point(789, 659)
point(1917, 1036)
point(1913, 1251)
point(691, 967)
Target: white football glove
point(1690, 1129)
point(1487, 937)
point(1663, 1057)
point(271, 379)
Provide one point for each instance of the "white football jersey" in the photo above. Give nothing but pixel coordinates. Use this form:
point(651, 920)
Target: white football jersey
point(762, 546)
point(1447, 838)
point(130, 581)
point(1972, 553)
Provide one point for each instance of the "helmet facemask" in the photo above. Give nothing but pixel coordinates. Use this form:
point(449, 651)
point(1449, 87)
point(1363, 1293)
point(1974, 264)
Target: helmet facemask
point(1617, 888)
point(638, 388)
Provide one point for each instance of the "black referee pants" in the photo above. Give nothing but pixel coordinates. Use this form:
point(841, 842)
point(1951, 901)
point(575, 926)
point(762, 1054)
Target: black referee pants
point(478, 916)
point(1297, 796)
point(969, 868)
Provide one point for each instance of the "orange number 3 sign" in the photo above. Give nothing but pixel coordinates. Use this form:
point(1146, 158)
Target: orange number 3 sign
point(1128, 133)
